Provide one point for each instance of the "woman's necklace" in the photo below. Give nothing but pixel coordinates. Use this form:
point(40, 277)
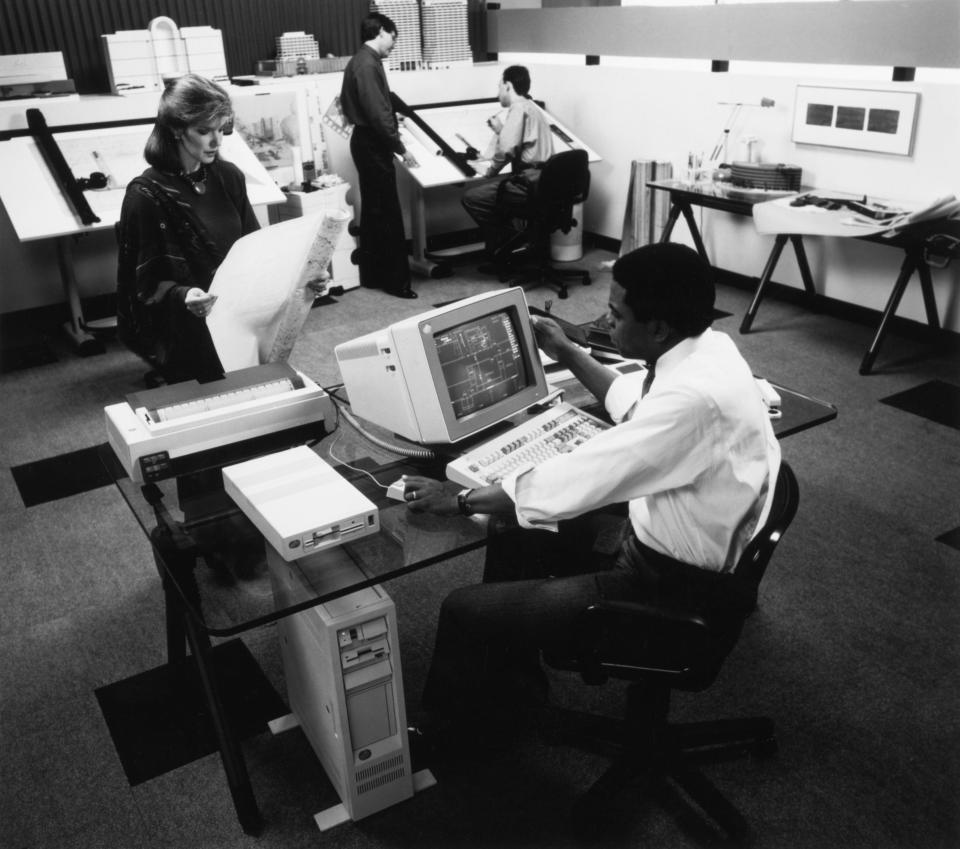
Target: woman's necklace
point(197, 179)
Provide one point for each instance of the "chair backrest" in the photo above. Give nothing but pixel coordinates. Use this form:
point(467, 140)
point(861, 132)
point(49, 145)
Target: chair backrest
point(675, 648)
point(786, 497)
point(564, 182)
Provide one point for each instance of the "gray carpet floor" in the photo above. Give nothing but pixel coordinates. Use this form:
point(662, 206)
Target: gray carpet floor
point(853, 651)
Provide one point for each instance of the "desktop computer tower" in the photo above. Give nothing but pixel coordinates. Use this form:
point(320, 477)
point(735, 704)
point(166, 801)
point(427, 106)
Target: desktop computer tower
point(344, 683)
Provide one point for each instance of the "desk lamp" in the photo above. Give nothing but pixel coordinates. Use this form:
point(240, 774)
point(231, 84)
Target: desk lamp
point(720, 148)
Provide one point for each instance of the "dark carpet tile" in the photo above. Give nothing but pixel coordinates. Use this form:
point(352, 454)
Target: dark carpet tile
point(61, 476)
point(26, 355)
point(159, 720)
point(110, 461)
point(951, 538)
point(935, 400)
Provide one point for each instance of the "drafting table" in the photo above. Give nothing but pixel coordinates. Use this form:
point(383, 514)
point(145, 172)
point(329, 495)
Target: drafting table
point(438, 135)
point(38, 209)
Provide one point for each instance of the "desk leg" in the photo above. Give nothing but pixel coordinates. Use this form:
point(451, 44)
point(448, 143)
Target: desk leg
point(911, 263)
point(419, 262)
point(182, 630)
point(170, 559)
point(238, 779)
point(84, 343)
point(176, 635)
point(695, 232)
point(678, 208)
point(671, 222)
point(772, 261)
point(929, 300)
point(801, 254)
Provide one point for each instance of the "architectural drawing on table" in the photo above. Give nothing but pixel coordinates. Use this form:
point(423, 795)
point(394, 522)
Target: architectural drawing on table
point(277, 130)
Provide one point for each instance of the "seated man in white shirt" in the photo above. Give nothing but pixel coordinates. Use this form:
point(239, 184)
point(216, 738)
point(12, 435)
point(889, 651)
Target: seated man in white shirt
point(693, 456)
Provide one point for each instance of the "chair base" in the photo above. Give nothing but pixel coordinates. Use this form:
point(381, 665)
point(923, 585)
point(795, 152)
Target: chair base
point(659, 760)
point(548, 275)
point(525, 264)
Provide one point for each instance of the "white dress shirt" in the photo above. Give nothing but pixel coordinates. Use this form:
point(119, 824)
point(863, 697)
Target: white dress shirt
point(695, 458)
point(525, 129)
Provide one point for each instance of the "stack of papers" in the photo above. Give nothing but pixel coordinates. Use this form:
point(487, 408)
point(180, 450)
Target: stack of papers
point(783, 216)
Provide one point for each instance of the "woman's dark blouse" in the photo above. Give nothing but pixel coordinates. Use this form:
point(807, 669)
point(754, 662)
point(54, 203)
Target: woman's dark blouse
point(172, 239)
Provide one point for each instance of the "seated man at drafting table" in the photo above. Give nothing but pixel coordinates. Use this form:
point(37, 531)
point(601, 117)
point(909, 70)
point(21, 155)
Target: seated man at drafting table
point(522, 137)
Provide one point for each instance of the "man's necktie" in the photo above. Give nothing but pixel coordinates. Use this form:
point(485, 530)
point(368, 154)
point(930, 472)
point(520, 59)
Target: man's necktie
point(648, 380)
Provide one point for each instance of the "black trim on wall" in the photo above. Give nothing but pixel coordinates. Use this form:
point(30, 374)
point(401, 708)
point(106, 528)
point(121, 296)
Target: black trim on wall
point(249, 28)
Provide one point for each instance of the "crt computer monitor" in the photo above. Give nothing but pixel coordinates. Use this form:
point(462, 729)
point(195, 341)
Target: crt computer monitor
point(447, 374)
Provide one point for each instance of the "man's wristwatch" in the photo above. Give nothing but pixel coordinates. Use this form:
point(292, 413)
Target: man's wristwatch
point(462, 504)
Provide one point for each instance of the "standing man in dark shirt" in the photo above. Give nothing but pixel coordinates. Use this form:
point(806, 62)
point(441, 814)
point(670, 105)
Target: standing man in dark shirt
point(365, 100)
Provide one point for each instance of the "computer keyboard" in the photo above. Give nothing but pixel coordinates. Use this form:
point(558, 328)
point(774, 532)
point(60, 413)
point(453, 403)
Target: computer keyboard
point(556, 431)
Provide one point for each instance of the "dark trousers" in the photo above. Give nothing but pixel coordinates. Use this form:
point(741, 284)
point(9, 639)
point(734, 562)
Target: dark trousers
point(494, 206)
point(384, 263)
point(486, 661)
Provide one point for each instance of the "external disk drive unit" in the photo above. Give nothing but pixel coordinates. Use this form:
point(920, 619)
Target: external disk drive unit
point(299, 503)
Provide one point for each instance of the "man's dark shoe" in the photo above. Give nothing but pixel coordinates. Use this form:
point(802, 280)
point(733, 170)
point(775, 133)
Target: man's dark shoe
point(404, 293)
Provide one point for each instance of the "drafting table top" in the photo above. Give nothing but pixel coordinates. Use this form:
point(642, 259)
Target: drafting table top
point(39, 210)
point(459, 124)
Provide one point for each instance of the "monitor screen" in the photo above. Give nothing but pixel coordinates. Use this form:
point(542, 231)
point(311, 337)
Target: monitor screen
point(448, 374)
point(482, 362)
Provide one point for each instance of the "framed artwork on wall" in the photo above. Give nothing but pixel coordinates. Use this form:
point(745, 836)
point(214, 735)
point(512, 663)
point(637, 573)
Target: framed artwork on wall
point(883, 121)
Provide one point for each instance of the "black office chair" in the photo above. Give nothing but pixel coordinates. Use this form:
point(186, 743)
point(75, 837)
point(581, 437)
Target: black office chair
point(659, 650)
point(564, 182)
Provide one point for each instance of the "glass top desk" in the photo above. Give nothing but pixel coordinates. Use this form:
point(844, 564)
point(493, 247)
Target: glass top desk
point(212, 564)
point(216, 582)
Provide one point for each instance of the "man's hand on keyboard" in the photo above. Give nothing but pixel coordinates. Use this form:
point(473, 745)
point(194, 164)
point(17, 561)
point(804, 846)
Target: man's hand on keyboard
point(425, 495)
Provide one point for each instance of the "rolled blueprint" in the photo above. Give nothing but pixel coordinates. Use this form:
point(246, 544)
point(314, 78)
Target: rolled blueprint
point(301, 300)
point(262, 288)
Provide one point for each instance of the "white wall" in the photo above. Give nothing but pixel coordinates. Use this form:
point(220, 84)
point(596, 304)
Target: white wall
point(628, 114)
point(624, 114)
